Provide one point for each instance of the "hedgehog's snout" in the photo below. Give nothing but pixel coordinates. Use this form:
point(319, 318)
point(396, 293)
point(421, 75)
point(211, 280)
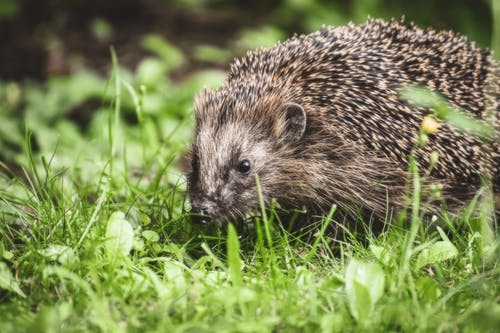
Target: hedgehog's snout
point(200, 215)
point(204, 210)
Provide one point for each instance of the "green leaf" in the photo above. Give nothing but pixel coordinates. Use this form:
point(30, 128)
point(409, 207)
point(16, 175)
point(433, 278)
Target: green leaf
point(233, 255)
point(151, 71)
point(151, 236)
point(170, 55)
point(7, 255)
point(119, 234)
point(60, 253)
point(101, 29)
point(7, 281)
point(211, 53)
point(427, 289)
point(364, 285)
point(381, 253)
point(435, 253)
point(360, 301)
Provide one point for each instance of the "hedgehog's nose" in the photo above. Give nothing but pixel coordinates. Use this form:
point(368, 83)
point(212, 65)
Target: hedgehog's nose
point(200, 215)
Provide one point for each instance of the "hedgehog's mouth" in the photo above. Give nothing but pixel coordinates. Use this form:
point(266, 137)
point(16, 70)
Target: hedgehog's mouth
point(199, 216)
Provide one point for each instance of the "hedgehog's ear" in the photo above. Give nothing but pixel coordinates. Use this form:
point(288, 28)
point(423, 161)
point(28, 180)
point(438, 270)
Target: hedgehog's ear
point(295, 121)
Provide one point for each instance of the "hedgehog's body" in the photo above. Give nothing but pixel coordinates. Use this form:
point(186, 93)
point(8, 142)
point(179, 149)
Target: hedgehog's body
point(319, 119)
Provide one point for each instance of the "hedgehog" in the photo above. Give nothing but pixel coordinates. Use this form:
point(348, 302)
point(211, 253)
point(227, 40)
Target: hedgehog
point(318, 120)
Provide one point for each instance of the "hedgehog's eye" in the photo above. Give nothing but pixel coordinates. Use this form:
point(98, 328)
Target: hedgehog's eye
point(244, 166)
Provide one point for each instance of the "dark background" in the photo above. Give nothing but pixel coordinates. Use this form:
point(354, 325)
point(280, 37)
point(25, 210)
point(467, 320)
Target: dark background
point(43, 38)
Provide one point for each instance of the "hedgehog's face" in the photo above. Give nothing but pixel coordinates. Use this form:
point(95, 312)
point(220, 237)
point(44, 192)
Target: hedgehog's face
point(228, 154)
point(224, 165)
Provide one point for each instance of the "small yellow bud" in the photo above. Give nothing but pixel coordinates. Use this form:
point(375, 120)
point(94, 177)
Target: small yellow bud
point(430, 125)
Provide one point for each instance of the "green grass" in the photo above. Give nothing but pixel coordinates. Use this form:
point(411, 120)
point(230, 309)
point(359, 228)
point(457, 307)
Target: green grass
point(93, 234)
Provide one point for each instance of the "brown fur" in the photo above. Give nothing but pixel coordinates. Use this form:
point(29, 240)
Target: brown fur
point(358, 132)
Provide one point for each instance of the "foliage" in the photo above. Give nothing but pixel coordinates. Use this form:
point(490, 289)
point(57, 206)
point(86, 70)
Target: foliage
point(94, 235)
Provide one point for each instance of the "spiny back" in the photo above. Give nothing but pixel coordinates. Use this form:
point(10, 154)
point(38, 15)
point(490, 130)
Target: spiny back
point(354, 72)
point(379, 54)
